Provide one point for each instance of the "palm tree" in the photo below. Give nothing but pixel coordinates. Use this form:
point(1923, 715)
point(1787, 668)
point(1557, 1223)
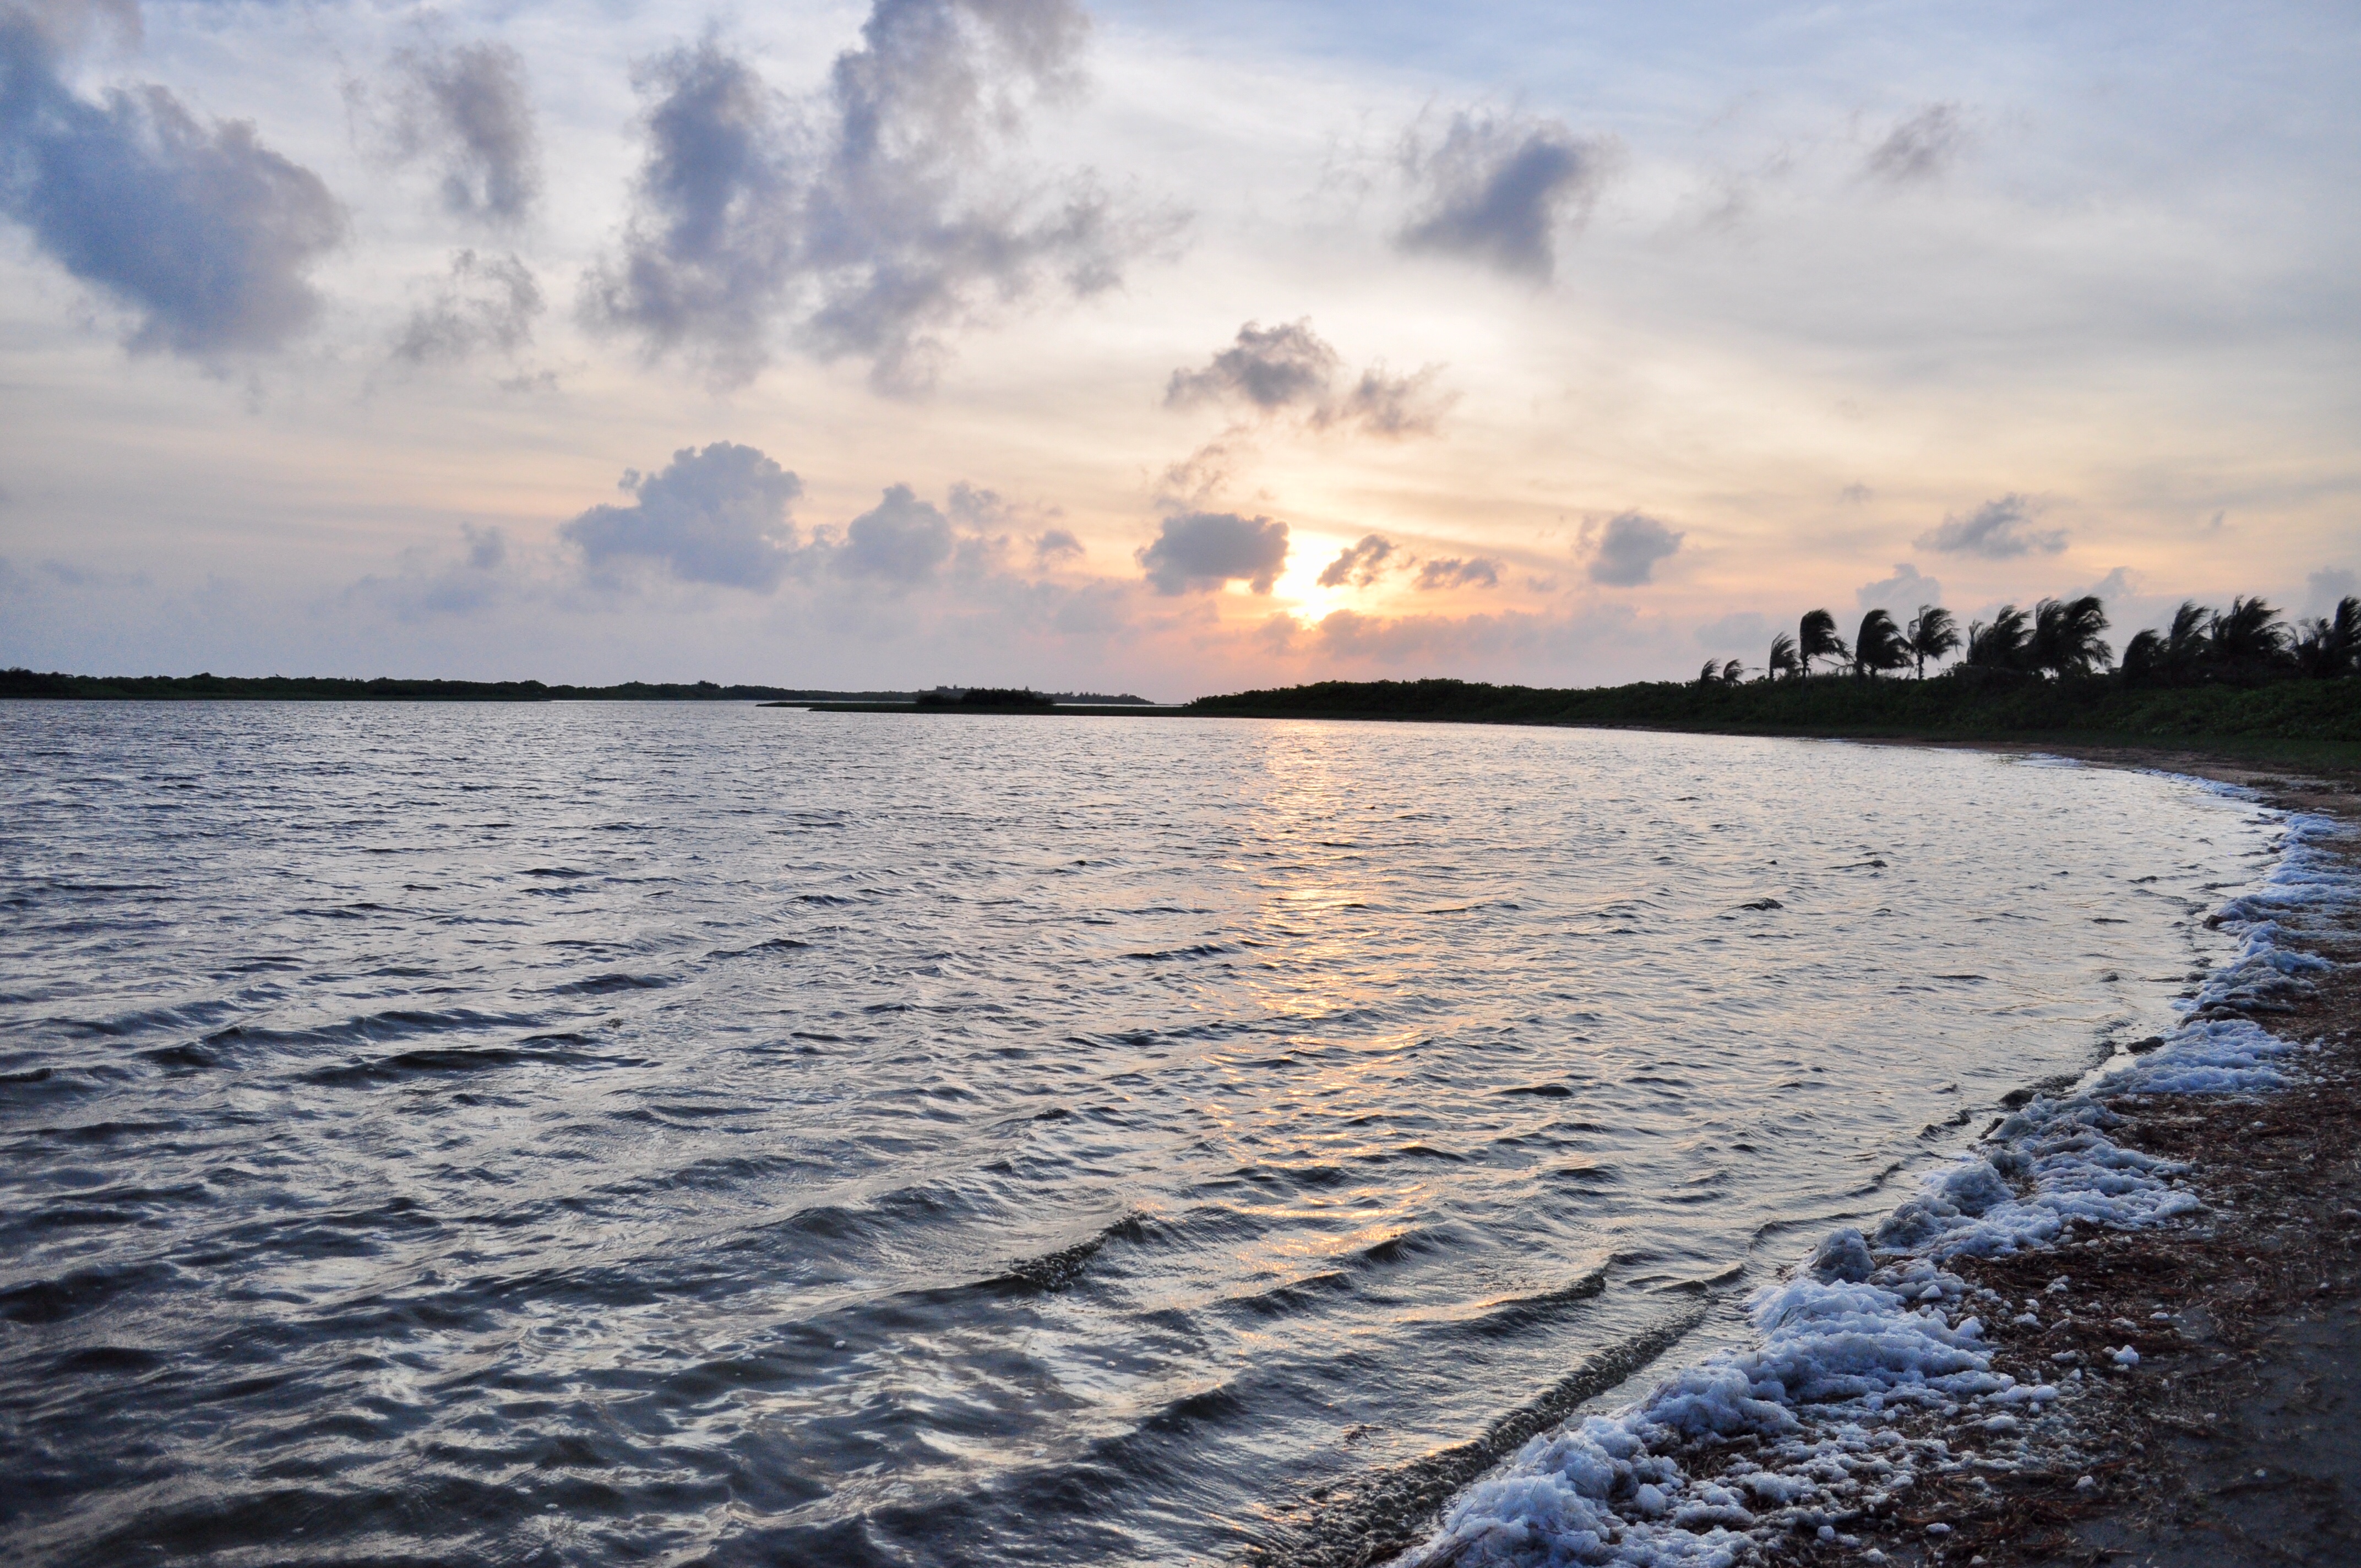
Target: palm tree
point(2248, 638)
point(1933, 634)
point(1732, 673)
point(2189, 644)
point(2331, 644)
point(2066, 636)
point(1711, 674)
point(1817, 638)
point(2001, 645)
point(2144, 656)
point(1784, 660)
point(1879, 646)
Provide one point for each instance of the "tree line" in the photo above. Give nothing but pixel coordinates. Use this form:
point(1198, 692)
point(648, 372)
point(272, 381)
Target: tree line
point(2246, 645)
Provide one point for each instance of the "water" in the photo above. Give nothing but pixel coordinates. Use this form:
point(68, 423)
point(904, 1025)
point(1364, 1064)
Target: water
point(644, 1134)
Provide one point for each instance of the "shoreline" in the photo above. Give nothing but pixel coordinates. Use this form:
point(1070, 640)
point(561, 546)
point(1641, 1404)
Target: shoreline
point(2176, 1379)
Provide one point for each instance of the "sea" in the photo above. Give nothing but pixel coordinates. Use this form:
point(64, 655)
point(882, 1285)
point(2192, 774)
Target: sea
point(675, 1134)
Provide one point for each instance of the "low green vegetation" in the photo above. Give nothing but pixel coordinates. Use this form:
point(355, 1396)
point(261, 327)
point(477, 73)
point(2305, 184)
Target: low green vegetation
point(20, 683)
point(2239, 681)
point(986, 697)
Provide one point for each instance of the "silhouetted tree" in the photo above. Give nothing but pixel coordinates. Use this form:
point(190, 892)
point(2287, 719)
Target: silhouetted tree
point(2066, 640)
point(2329, 646)
point(2189, 644)
point(1710, 675)
point(1817, 638)
point(1879, 645)
point(2247, 641)
point(1784, 660)
point(2144, 657)
point(2001, 645)
point(1732, 673)
point(1933, 634)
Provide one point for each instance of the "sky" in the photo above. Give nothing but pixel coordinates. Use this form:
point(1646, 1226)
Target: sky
point(1155, 347)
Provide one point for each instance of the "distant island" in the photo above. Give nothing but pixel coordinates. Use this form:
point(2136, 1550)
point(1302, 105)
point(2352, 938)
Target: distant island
point(209, 687)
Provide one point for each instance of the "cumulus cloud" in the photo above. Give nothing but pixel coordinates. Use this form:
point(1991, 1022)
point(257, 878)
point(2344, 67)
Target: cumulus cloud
point(1995, 530)
point(902, 540)
point(1742, 629)
point(1451, 572)
point(1921, 147)
point(207, 235)
point(484, 302)
point(466, 109)
point(714, 516)
point(1358, 566)
point(1199, 552)
point(1629, 548)
point(1902, 593)
point(872, 220)
point(1056, 544)
point(1289, 367)
point(1497, 189)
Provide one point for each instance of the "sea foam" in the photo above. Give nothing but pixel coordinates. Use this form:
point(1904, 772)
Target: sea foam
point(1871, 1325)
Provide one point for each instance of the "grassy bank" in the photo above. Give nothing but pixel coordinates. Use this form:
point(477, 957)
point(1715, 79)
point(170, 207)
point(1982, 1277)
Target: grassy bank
point(2315, 721)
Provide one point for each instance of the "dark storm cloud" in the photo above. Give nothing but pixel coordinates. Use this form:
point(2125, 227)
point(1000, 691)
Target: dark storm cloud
point(201, 230)
point(1199, 552)
point(900, 540)
point(1995, 530)
point(486, 302)
point(1496, 191)
point(715, 516)
point(876, 222)
point(1451, 572)
point(1920, 147)
point(1358, 565)
point(1630, 549)
point(466, 108)
point(1291, 366)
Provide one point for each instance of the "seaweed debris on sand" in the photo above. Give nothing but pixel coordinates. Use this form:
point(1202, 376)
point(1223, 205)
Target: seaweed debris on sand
point(2121, 1326)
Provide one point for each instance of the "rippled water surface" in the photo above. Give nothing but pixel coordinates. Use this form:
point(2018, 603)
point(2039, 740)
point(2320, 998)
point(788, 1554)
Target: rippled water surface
point(669, 1134)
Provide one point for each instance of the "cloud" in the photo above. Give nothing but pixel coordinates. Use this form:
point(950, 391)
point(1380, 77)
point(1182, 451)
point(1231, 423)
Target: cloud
point(1994, 531)
point(466, 109)
point(1630, 549)
point(1190, 484)
point(206, 234)
point(427, 587)
point(1496, 191)
point(1902, 593)
point(1199, 552)
point(2326, 586)
point(1454, 573)
point(1056, 544)
point(1358, 565)
point(715, 516)
point(873, 223)
point(900, 540)
point(1742, 628)
point(1921, 147)
point(1275, 369)
point(1856, 495)
point(1271, 367)
point(486, 302)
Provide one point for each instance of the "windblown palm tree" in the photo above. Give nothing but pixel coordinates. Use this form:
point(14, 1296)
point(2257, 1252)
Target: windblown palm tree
point(1933, 634)
point(1817, 638)
point(1879, 645)
point(1710, 675)
point(2144, 656)
point(2189, 643)
point(1732, 673)
point(2248, 638)
point(1784, 660)
point(2329, 646)
point(2001, 645)
point(2066, 639)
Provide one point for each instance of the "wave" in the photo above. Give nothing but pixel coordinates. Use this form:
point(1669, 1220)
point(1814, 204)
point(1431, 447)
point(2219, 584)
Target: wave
point(1875, 1325)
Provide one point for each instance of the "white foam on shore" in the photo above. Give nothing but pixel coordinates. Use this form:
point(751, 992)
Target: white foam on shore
point(1873, 1325)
